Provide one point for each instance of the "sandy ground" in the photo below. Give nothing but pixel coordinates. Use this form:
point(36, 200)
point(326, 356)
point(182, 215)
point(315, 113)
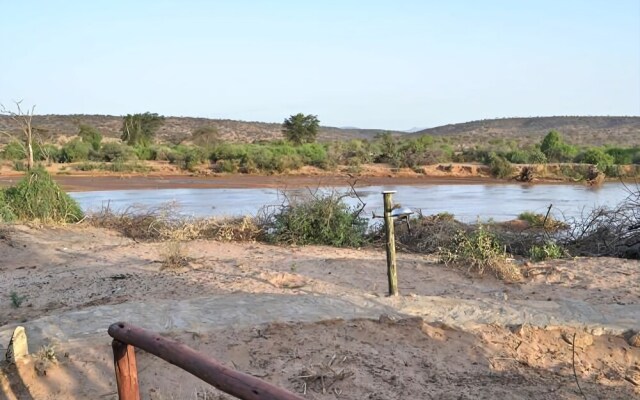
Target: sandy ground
point(271, 311)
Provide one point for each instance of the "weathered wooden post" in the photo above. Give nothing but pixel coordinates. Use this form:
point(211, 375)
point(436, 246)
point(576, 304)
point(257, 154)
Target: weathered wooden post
point(391, 243)
point(124, 360)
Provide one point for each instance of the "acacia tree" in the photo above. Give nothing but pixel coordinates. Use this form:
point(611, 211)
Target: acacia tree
point(22, 118)
point(301, 128)
point(139, 129)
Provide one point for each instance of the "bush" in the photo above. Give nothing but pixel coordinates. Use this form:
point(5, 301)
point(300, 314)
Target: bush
point(38, 197)
point(14, 151)
point(500, 167)
point(480, 251)
point(90, 135)
point(596, 156)
point(74, 151)
point(538, 221)
point(313, 154)
point(547, 251)
point(322, 219)
point(144, 153)
point(6, 214)
point(116, 152)
point(47, 152)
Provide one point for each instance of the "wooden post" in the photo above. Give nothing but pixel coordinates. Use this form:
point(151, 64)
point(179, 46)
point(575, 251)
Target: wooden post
point(124, 360)
point(391, 244)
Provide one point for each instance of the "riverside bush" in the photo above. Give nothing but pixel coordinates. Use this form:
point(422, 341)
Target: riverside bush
point(74, 151)
point(480, 251)
point(113, 151)
point(38, 197)
point(322, 219)
point(13, 151)
point(500, 167)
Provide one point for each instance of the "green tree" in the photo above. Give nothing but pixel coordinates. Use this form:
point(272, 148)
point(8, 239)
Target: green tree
point(91, 135)
point(555, 149)
point(301, 128)
point(139, 129)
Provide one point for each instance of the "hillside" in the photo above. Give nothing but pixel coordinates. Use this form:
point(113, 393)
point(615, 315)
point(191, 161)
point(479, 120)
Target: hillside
point(177, 129)
point(576, 130)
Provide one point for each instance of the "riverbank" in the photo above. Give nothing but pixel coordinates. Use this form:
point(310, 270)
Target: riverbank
point(162, 175)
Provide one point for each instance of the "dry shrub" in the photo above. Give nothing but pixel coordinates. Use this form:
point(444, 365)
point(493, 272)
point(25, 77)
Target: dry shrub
point(607, 231)
point(173, 256)
point(425, 234)
point(480, 251)
point(164, 223)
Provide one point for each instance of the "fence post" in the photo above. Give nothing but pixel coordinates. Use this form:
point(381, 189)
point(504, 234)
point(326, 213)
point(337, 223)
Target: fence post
point(391, 243)
point(124, 360)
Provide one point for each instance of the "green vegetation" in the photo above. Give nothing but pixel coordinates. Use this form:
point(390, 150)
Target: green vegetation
point(17, 300)
point(90, 135)
point(209, 151)
point(300, 128)
point(541, 221)
point(500, 167)
point(480, 251)
point(139, 129)
point(547, 251)
point(38, 198)
point(321, 219)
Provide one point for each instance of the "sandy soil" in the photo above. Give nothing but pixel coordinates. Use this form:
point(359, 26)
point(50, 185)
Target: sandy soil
point(281, 326)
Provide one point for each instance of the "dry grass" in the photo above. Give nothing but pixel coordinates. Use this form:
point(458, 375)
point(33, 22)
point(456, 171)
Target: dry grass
point(165, 224)
point(173, 256)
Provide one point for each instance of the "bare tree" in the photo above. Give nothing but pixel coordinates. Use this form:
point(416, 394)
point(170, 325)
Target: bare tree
point(22, 118)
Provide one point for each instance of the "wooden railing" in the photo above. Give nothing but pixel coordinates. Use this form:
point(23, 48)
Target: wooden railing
point(126, 337)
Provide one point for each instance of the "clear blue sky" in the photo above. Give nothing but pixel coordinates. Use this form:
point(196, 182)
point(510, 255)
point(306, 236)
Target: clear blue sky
point(373, 64)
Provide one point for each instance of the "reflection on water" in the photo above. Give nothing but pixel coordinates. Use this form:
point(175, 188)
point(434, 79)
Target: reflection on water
point(466, 202)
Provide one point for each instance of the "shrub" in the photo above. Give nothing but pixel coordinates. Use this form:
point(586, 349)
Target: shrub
point(173, 256)
point(538, 221)
point(38, 197)
point(6, 214)
point(13, 151)
point(116, 152)
point(229, 166)
point(500, 167)
point(547, 251)
point(596, 156)
point(321, 219)
point(144, 153)
point(313, 154)
point(480, 251)
point(19, 166)
point(47, 152)
point(86, 166)
point(90, 135)
point(74, 151)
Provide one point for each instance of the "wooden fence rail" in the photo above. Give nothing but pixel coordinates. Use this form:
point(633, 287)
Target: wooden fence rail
point(235, 383)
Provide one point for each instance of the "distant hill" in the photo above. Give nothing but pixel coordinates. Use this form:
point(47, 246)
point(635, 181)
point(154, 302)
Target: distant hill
point(576, 130)
point(178, 129)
